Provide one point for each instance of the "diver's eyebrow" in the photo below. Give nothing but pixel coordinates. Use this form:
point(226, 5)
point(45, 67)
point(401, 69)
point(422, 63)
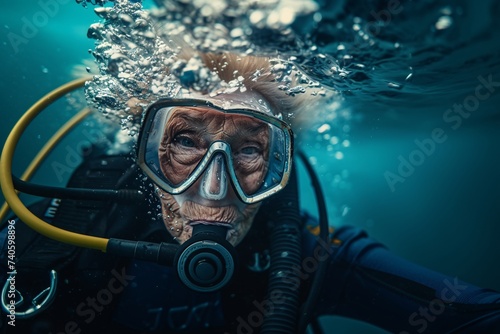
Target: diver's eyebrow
point(253, 130)
point(249, 130)
point(196, 118)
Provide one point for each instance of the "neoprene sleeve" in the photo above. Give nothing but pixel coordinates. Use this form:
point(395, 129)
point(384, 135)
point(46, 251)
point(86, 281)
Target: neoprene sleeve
point(367, 282)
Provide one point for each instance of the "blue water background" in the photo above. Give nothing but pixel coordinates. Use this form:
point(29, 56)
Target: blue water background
point(445, 216)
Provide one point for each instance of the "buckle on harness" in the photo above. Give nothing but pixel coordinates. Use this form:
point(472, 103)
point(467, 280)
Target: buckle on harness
point(37, 304)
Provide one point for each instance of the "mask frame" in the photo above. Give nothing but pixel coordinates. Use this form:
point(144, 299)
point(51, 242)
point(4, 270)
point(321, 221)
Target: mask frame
point(148, 130)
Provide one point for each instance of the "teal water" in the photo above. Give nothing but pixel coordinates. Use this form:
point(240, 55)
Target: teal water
point(446, 213)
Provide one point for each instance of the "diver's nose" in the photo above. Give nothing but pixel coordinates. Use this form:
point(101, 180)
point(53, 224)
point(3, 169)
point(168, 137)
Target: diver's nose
point(214, 183)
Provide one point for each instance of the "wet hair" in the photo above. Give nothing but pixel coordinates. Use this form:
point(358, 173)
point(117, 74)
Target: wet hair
point(229, 66)
point(259, 77)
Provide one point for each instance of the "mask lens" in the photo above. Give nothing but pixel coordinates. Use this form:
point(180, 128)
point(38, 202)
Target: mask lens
point(179, 144)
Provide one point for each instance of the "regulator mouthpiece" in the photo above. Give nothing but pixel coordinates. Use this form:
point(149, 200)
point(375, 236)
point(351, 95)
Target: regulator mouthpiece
point(206, 262)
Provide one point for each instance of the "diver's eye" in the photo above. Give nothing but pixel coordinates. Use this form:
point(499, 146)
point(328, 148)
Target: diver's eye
point(249, 150)
point(184, 141)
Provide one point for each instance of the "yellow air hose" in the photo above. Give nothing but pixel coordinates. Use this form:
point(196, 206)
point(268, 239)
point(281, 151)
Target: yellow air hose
point(46, 149)
point(7, 185)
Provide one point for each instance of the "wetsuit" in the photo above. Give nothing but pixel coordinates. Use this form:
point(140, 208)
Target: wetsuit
point(100, 293)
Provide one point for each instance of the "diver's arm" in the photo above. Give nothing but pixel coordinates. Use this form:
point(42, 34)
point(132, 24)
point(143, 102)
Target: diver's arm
point(367, 282)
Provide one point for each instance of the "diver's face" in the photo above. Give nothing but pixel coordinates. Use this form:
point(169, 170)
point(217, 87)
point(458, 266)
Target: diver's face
point(211, 199)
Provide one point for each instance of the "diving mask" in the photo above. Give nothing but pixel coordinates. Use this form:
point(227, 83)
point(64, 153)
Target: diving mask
point(186, 140)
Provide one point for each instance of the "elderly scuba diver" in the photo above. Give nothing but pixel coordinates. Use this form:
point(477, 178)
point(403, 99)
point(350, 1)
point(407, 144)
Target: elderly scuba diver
point(232, 253)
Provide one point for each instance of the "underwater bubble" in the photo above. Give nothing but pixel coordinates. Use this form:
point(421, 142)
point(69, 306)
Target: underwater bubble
point(339, 155)
point(206, 11)
point(257, 17)
point(126, 18)
point(236, 32)
point(446, 10)
point(141, 23)
point(394, 85)
point(286, 16)
point(345, 210)
point(444, 22)
point(105, 12)
point(280, 273)
point(317, 17)
point(323, 128)
point(287, 79)
point(297, 89)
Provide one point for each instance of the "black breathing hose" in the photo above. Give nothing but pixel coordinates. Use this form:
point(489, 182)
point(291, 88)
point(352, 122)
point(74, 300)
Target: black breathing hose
point(120, 195)
point(284, 280)
point(319, 277)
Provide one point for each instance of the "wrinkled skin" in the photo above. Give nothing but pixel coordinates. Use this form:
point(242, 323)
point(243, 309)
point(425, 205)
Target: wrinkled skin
point(187, 136)
point(177, 219)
